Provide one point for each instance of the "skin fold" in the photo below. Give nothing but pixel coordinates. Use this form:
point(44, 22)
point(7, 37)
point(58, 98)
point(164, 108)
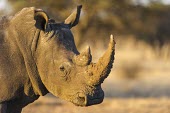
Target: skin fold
point(39, 56)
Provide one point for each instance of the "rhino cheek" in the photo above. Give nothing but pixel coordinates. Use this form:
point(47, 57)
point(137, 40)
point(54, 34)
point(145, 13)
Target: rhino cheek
point(52, 88)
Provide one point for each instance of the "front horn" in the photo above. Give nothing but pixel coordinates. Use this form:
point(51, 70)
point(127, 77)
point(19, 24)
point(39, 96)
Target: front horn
point(99, 71)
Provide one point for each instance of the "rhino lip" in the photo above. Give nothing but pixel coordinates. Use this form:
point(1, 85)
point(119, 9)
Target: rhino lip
point(97, 98)
point(88, 100)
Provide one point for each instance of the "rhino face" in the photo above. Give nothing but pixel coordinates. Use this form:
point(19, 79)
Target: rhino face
point(64, 71)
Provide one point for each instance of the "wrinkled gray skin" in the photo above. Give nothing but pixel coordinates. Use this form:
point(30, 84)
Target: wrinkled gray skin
point(38, 56)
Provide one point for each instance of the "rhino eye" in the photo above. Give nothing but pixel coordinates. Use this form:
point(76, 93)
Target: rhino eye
point(62, 68)
point(65, 73)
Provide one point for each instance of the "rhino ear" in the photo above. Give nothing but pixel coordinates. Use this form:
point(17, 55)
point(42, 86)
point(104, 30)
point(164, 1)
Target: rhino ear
point(41, 19)
point(73, 19)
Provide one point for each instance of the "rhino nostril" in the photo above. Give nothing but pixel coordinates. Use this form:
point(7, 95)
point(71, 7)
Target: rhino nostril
point(81, 99)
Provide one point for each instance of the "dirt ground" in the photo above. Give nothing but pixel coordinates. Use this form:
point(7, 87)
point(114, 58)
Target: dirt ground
point(109, 105)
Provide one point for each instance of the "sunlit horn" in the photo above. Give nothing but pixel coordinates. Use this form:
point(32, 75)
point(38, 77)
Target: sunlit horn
point(102, 68)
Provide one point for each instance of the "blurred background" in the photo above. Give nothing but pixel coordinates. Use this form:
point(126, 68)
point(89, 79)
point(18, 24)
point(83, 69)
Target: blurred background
point(140, 78)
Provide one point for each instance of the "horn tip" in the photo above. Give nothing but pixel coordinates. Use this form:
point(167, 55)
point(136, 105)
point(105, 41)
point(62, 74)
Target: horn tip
point(111, 35)
point(88, 49)
point(112, 40)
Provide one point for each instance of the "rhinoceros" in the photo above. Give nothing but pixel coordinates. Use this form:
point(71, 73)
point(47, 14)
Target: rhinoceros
point(39, 56)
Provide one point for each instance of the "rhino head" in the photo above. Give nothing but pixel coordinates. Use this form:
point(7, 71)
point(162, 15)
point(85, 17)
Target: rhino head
point(64, 71)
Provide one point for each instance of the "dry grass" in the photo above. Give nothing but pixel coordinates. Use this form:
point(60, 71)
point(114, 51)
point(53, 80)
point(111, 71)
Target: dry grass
point(124, 105)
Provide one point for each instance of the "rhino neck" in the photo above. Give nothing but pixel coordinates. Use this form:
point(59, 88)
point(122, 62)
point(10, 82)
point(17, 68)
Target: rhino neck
point(24, 37)
point(31, 67)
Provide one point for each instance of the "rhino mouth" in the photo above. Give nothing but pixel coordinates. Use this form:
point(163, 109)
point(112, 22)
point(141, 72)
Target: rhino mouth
point(88, 100)
point(97, 98)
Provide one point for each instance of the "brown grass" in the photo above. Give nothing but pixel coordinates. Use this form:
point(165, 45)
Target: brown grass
point(124, 105)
